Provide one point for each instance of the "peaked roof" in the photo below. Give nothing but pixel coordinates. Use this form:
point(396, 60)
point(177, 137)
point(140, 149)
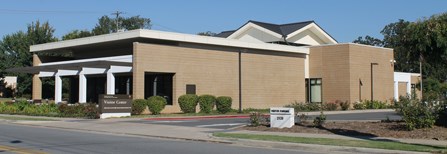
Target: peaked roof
point(282, 29)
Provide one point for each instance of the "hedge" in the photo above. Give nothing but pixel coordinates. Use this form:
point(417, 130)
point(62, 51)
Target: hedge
point(223, 104)
point(156, 104)
point(188, 103)
point(206, 103)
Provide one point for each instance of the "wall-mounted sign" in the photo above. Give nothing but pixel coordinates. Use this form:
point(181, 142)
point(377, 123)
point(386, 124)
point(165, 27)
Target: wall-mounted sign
point(115, 103)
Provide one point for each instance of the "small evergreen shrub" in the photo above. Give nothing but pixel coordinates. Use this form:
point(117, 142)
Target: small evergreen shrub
point(138, 106)
point(223, 104)
point(188, 103)
point(156, 104)
point(206, 103)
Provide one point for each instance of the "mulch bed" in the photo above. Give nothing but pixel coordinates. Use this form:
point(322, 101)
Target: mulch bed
point(367, 129)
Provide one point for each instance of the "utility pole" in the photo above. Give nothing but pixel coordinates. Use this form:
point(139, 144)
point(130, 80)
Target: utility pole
point(117, 13)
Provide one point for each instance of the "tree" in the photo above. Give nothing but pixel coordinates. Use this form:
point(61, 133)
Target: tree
point(368, 40)
point(14, 51)
point(107, 25)
point(77, 34)
point(207, 33)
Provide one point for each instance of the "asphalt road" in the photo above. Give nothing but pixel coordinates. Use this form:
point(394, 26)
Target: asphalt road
point(228, 123)
point(25, 139)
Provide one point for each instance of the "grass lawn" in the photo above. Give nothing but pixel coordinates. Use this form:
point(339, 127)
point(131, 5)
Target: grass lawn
point(390, 145)
point(25, 118)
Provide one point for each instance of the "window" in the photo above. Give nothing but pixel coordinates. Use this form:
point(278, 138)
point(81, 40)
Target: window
point(190, 89)
point(313, 90)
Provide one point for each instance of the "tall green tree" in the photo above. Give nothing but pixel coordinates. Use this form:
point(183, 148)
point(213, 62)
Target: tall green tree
point(14, 51)
point(369, 40)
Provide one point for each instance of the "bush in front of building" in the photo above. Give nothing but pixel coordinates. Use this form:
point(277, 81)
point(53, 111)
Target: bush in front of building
point(344, 105)
point(206, 103)
point(138, 106)
point(417, 114)
point(188, 103)
point(223, 104)
point(87, 110)
point(156, 104)
point(330, 106)
point(359, 106)
point(300, 106)
point(375, 104)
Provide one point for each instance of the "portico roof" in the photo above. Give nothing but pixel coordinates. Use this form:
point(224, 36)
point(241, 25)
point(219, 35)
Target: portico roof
point(69, 66)
point(141, 34)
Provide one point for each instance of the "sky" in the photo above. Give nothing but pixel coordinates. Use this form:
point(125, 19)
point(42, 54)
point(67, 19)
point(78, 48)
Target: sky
point(345, 20)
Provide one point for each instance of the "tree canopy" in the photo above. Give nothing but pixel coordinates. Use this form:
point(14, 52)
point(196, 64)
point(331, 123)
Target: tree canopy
point(108, 25)
point(14, 51)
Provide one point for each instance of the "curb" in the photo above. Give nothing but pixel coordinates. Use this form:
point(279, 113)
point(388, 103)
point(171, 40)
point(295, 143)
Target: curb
point(311, 147)
point(198, 117)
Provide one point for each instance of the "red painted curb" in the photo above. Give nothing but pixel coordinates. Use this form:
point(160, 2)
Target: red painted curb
point(198, 118)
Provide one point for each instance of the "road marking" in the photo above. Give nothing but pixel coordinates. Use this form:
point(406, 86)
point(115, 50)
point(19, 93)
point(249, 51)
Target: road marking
point(19, 150)
point(217, 125)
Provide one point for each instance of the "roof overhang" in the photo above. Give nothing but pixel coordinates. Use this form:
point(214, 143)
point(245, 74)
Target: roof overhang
point(166, 36)
point(250, 25)
point(70, 66)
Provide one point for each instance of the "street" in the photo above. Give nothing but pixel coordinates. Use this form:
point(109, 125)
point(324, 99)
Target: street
point(25, 139)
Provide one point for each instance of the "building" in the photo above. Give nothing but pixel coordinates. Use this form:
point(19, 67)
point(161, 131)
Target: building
point(260, 65)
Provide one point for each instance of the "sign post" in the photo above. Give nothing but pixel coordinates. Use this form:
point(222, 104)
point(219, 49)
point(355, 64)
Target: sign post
point(115, 105)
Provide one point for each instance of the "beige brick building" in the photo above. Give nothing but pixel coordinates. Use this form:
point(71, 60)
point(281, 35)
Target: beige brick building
point(259, 65)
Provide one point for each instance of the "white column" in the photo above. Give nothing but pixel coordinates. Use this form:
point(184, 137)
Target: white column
point(396, 90)
point(82, 88)
point(409, 87)
point(57, 88)
point(110, 83)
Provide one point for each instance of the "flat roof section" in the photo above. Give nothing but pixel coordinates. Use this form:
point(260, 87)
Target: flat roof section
point(168, 36)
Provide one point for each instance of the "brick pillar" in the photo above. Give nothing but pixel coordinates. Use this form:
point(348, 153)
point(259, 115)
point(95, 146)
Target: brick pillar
point(37, 82)
point(138, 75)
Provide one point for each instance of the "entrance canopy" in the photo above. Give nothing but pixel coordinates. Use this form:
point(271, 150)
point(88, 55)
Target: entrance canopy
point(93, 66)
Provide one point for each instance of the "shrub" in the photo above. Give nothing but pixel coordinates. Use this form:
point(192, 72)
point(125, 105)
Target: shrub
point(206, 103)
point(223, 104)
point(344, 105)
point(374, 104)
point(319, 121)
point(90, 111)
point(138, 106)
point(188, 103)
point(156, 104)
point(305, 106)
point(359, 106)
point(75, 110)
point(417, 114)
point(256, 119)
point(331, 106)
